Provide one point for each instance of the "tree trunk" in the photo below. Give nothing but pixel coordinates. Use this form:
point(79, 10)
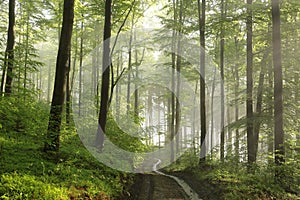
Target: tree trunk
point(270, 112)
point(129, 65)
point(54, 126)
point(9, 53)
point(201, 21)
point(222, 51)
point(173, 86)
point(278, 99)
point(178, 68)
point(136, 92)
point(68, 93)
point(236, 101)
point(259, 101)
point(249, 111)
point(80, 66)
point(99, 142)
point(26, 54)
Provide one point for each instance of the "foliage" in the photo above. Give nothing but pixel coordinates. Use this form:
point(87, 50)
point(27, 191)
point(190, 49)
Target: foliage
point(28, 173)
point(237, 183)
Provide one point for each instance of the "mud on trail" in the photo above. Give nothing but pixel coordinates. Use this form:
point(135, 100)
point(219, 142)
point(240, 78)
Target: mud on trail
point(156, 187)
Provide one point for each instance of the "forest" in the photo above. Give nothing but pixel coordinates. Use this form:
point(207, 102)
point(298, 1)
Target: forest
point(144, 99)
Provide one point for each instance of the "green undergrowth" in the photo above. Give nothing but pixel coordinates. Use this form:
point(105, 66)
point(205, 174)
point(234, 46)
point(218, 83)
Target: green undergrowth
point(231, 180)
point(26, 172)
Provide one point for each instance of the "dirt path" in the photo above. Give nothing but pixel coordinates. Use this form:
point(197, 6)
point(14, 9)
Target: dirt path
point(157, 187)
point(160, 186)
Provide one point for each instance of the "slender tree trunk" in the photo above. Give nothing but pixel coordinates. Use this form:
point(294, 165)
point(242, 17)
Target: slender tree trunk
point(212, 106)
point(9, 53)
point(68, 93)
point(129, 65)
point(250, 138)
point(236, 101)
point(105, 78)
point(259, 101)
point(136, 92)
point(278, 84)
point(54, 126)
point(222, 52)
point(118, 88)
point(193, 120)
point(270, 112)
point(178, 68)
point(201, 21)
point(26, 54)
point(173, 85)
point(80, 66)
point(4, 74)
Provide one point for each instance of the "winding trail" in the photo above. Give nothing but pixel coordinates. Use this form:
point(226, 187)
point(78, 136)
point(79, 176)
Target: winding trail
point(161, 186)
point(188, 190)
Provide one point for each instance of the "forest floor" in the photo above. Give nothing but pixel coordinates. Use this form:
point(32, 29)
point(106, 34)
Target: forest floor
point(155, 186)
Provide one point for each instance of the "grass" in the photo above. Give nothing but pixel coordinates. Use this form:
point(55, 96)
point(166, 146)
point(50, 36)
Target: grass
point(26, 172)
point(229, 180)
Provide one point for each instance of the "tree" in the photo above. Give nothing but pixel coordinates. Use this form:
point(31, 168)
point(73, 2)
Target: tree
point(9, 52)
point(201, 21)
point(105, 77)
point(222, 63)
point(278, 99)
point(55, 119)
point(236, 101)
point(249, 103)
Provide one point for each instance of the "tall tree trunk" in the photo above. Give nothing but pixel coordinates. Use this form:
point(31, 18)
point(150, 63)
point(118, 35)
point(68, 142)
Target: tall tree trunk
point(80, 65)
point(259, 101)
point(270, 112)
point(9, 53)
point(173, 85)
point(105, 78)
point(249, 110)
point(118, 88)
point(136, 92)
point(236, 101)
point(54, 125)
point(68, 93)
point(178, 68)
point(278, 96)
point(222, 51)
point(129, 65)
point(26, 53)
point(201, 21)
point(193, 120)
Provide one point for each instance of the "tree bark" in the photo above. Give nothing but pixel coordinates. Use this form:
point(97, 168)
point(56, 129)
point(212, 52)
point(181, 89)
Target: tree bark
point(222, 52)
point(80, 65)
point(201, 21)
point(178, 68)
point(129, 65)
point(173, 86)
point(278, 84)
point(9, 53)
point(68, 93)
point(236, 101)
point(100, 136)
point(249, 102)
point(259, 101)
point(54, 125)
